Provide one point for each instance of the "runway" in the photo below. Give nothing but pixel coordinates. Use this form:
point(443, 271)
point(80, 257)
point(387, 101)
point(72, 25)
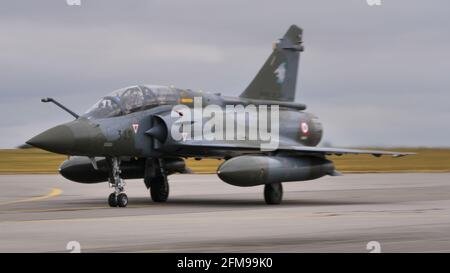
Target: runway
point(402, 212)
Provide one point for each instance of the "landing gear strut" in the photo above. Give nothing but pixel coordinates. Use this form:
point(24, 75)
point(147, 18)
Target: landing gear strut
point(273, 193)
point(118, 198)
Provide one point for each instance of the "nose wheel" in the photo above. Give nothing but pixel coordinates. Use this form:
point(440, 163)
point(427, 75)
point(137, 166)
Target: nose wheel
point(118, 198)
point(112, 200)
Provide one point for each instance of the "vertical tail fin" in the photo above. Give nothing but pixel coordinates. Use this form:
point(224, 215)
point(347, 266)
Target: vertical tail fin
point(277, 78)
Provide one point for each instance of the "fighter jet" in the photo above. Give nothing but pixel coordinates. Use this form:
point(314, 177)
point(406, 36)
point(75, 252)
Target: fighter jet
point(147, 131)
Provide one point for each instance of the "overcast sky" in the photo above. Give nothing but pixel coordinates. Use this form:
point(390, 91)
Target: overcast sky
point(375, 76)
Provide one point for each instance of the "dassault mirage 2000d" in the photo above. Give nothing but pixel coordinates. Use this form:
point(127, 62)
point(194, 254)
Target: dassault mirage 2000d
point(147, 131)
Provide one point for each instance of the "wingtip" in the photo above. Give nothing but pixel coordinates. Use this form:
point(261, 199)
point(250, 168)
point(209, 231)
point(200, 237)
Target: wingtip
point(403, 154)
point(335, 173)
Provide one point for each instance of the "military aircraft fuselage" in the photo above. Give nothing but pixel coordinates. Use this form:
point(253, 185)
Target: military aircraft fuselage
point(110, 130)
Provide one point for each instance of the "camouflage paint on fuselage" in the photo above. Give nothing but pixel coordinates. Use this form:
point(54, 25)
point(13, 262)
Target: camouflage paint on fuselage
point(124, 134)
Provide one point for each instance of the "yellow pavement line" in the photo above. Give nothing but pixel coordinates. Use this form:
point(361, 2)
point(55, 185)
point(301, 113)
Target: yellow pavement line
point(53, 193)
point(76, 208)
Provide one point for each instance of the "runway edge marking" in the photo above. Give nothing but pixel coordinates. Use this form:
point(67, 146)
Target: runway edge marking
point(53, 193)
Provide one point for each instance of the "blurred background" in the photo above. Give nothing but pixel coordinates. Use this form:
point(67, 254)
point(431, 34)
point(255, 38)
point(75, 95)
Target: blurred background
point(376, 76)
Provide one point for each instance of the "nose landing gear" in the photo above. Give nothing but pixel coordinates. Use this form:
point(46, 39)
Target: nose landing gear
point(118, 198)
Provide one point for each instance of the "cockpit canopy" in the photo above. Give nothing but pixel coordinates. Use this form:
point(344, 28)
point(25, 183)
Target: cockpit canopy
point(132, 99)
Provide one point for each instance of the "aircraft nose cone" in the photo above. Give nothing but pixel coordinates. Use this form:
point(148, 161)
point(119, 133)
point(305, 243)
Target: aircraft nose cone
point(59, 139)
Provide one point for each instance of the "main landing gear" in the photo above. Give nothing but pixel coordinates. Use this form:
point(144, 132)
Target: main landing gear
point(273, 193)
point(156, 180)
point(118, 198)
point(159, 189)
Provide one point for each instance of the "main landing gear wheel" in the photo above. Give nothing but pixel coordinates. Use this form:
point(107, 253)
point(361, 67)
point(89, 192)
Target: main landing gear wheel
point(159, 189)
point(273, 193)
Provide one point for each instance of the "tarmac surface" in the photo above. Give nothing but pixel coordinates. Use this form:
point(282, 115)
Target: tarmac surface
point(401, 212)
